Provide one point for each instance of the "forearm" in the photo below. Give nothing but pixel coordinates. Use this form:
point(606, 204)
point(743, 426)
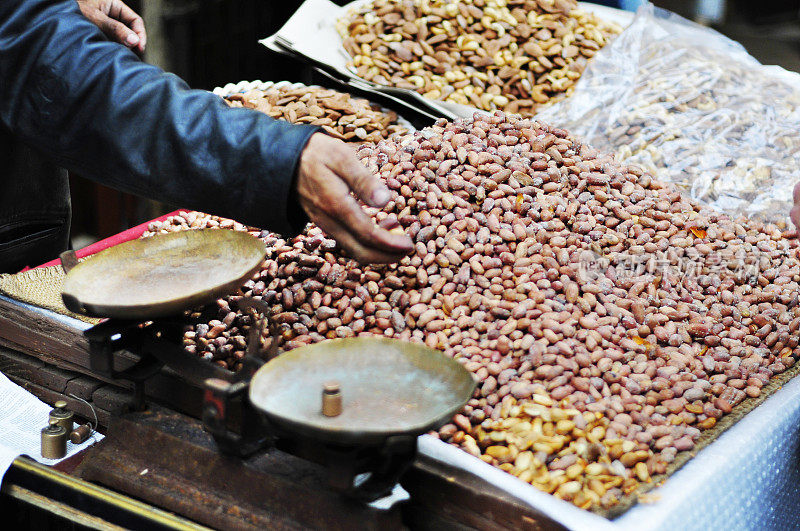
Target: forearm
point(97, 110)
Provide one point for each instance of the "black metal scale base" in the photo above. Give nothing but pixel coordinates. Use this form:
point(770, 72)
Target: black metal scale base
point(362, 472)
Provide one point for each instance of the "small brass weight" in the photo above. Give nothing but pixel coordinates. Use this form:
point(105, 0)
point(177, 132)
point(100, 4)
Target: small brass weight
point(63, 415)
point(54, 440)
point(331, 399)
point(80, 434)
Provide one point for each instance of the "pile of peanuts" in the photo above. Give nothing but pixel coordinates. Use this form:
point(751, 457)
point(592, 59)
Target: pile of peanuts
point(512, 55)
point(592, 303)
point(339, 114)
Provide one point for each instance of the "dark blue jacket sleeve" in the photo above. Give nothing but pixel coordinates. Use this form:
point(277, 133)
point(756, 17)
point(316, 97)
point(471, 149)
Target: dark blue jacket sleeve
point(93, 107)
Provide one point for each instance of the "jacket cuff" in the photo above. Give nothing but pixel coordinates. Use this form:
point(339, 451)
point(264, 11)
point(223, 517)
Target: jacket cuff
point(295, 215)
point(284, 150)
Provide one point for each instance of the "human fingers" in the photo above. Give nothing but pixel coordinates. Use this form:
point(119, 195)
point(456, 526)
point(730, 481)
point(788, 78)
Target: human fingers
point(343, 162)
point(328, 194)
point(323, 190)
point(121, 12)
point(115, 30)
point(354, 247)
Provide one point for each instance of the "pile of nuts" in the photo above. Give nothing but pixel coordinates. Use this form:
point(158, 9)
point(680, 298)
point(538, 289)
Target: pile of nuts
point(512, 55)
point(339, 114)
point(559, 450)
point(695, 116)
point(557, 277)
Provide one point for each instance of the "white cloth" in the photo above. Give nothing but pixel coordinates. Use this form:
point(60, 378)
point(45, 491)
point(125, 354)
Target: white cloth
point(22, 417)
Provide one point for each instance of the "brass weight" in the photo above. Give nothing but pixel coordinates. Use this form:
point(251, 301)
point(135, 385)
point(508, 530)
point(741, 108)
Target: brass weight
point(54, 441)
point(62, 415)
point(80, 434)
point(331, 399)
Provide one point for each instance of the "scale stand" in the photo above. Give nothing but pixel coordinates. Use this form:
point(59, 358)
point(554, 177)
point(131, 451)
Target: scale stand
point(112, 336)
point(365, 473)
point(156, 345)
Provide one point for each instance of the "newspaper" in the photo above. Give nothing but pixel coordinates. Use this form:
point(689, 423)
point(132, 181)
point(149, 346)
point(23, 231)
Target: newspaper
point(23, 416)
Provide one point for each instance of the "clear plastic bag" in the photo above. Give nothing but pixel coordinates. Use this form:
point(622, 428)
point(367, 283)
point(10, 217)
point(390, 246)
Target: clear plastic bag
point(692, 107)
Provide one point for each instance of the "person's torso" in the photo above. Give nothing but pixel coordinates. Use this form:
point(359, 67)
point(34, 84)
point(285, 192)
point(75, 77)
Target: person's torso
point(34, 206)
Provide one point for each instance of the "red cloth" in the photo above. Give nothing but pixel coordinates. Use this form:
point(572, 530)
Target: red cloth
point(111, 241)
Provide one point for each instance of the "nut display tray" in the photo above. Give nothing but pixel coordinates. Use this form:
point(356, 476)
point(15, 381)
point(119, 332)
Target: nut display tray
point(324, 45)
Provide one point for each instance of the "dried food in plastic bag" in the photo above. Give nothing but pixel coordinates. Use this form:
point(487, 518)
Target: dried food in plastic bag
point(691, 106)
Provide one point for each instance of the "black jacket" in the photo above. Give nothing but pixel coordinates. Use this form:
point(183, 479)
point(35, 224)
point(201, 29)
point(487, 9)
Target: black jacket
point(71, 99)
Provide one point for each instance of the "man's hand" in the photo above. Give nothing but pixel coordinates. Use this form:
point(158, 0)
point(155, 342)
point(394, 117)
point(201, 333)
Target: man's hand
point(328, 172)
point(795, 212)
point(119, 22)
